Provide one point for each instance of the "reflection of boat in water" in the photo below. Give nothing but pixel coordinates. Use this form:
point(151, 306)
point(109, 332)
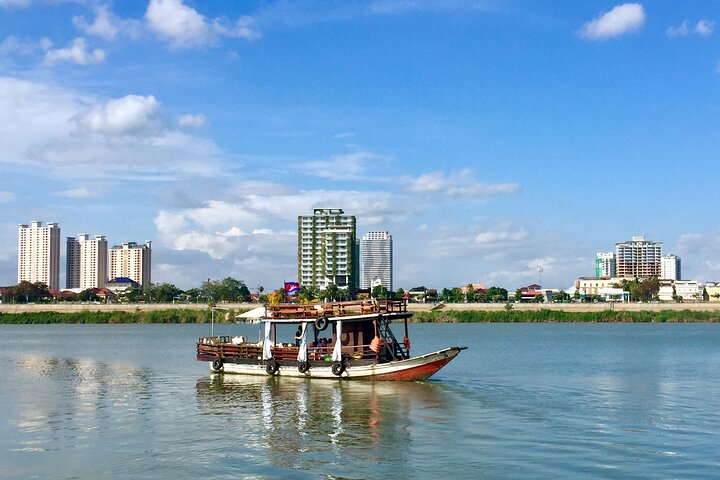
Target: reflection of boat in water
point(361, 344)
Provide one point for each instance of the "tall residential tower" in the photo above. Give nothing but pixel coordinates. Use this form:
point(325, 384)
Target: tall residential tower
point(376, 260)
point(638, 258)
point(605, 264)
point(39, 254)
point(327, 249)
point(87, 262)
point(132, 261)
point(670, 268)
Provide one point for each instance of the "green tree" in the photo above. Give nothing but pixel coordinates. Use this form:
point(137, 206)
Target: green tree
point(560, 297)
point(469, 293)
point(400, 293)
point(539, 298)
point(25, 292)
point(496, 295)
point(379, 292)
point(518, 295)
point(87, 296)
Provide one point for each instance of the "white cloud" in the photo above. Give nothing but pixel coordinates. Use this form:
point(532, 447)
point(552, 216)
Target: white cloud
point(77, 52)
point(7, 197)
point(681, 30)
point(704, 28)
point(62, 133)
point(625, 18)
point(80, 192)
point(500, 236)
point(192, 121)
point(12, 44)
point(131, 114)
point(350, 166)
point(459, 184)
point(106, 24)
point(183, 26)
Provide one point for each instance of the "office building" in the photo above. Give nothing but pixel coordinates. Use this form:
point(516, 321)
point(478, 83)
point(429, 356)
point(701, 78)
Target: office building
point(376, 260)
point(327, 249)
point(39, 254)
point(132, 261)
point(670, 267)
point(638, 258)
point(86, 262)
point(605, 264)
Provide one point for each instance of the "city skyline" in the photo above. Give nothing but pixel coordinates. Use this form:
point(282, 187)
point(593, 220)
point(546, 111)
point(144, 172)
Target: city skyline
point(491, 138)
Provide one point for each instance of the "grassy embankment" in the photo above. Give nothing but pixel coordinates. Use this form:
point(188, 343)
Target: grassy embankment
point(137, 316)
point(530, 316)
point(444, 316)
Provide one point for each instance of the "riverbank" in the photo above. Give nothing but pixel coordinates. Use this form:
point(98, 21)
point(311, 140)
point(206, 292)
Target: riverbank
point(452, 313)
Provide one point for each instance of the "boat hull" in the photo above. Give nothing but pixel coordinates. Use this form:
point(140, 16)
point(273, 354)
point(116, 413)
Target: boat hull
point(412, 369)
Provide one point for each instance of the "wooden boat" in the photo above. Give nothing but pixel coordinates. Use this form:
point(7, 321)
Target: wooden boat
point(359, 344)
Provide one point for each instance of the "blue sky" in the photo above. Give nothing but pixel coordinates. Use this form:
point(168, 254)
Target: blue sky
point(489, 137)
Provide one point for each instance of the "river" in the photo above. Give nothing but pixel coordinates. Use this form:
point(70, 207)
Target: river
point(524, 401)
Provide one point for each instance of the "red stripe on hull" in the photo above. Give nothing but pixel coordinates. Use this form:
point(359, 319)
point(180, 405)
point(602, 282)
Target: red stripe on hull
point(421, 372)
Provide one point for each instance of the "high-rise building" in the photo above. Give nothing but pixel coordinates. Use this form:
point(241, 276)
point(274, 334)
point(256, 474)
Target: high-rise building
point(132, 261)
point(39, 254)
point(670, 268)
point(327, 249)
point(87, 262)
point(605, 264)
point(376, 257)
point(638, 258)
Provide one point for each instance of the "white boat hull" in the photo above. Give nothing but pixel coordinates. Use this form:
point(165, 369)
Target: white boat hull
point(412, 369)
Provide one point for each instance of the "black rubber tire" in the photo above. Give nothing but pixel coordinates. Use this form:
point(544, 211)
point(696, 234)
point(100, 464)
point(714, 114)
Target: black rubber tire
point(217, 365)
point(304, 367)
point(338, 368)
point(321, 323)
point(272, 367)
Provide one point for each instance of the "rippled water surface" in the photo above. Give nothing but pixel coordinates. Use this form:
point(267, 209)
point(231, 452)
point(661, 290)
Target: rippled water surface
point(524, 401)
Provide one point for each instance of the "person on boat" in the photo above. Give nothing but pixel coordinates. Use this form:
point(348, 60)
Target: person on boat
point(323, 342)
point(298, 336)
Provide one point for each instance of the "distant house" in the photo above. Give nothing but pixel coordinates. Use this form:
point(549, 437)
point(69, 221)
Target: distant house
point(422, 295)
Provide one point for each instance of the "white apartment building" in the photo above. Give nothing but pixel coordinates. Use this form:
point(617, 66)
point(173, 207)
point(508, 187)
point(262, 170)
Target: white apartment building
point(670, 267)
point(132, 261)
point(376, 260)
point(86, 262)
point(638, 258)
point(327, 249)
point(39, 254)
point(605, 264)
point(687, 290)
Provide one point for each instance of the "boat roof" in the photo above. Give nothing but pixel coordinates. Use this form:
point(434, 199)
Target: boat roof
point(357, 310)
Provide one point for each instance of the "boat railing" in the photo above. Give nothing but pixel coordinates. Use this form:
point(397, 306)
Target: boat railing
point(223, 347)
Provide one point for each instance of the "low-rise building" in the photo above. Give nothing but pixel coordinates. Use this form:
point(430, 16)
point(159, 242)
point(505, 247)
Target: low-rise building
point(593, 285)
point(685, 290)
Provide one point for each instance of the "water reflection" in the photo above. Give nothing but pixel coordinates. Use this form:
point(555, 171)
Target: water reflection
point(294, 421)
point(66, 401)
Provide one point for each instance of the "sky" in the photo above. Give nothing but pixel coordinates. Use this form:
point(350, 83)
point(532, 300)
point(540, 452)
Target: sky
point(492, 138)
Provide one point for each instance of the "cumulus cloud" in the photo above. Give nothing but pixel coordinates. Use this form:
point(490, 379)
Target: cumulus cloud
point(131, 114)
point(625, 18)
point(106, 24)
point(183, 26)
point(64, 133)
point(77, 52)
point(459, 184)
point(192, 121)
point(704, 28)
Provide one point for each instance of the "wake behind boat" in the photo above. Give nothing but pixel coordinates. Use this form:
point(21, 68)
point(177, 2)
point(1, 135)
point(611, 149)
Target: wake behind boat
point(351, 340)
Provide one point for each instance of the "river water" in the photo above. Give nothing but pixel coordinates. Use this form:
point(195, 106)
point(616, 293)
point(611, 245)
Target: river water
point(524, 401)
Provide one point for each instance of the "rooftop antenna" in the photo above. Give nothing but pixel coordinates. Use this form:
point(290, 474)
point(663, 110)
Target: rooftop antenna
point(540, 271)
